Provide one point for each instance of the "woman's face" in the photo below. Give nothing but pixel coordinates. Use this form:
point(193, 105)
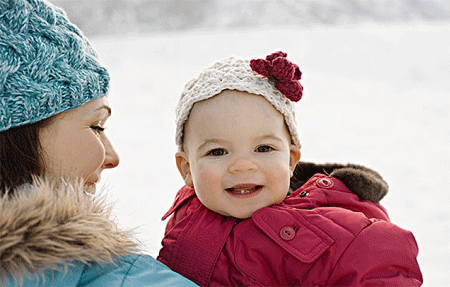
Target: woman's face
point(74, 144)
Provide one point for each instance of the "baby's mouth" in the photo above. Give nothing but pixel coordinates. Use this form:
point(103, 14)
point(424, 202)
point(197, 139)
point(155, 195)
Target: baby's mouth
point(244, 189)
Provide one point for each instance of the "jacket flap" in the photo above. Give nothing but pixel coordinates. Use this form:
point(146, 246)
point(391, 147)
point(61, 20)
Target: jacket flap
point(182, 196)
point(291, 231)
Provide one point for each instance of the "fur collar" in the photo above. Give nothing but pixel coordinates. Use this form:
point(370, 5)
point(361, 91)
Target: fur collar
point(47, 224)
point(364, 182)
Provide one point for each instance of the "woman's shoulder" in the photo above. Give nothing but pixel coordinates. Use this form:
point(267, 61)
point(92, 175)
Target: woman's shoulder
point(54, 234)
point(132, 270)
point(51, 224)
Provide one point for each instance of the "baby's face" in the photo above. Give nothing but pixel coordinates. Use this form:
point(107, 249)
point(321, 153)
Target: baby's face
point(237, 154)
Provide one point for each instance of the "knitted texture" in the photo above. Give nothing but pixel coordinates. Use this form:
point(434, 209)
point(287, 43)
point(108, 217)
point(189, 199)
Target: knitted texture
point(47, 66)
point(284, 73)
point(232, 74)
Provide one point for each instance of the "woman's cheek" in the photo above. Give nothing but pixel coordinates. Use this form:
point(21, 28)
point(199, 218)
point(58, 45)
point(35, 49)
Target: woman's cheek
point(92, 157)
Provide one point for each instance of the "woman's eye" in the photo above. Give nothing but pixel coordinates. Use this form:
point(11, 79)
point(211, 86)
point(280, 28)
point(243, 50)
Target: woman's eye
point(264, 148)
point(98, 129)
point(217, 152)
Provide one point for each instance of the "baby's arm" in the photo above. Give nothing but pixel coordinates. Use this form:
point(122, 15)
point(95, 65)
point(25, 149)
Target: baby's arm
point(381, 255)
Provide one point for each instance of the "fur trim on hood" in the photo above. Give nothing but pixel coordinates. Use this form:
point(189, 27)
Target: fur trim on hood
point(47, 225)
point(364, 182)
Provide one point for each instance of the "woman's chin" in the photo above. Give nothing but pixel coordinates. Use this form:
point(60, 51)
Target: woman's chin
point(90, 188)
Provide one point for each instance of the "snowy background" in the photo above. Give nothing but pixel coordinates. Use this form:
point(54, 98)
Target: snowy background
point(376, 77)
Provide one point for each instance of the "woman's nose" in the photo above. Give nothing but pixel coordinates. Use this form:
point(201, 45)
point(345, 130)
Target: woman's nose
point(111, 156)
point(242, 164)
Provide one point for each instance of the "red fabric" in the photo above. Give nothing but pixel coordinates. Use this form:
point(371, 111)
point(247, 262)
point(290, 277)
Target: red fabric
point(328, 238)
point(284, 71)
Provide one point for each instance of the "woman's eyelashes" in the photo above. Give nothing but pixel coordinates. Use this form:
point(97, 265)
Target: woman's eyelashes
point(97, 128)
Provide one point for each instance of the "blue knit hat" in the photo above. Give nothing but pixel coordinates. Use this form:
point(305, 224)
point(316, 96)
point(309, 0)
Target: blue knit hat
point(47, 66)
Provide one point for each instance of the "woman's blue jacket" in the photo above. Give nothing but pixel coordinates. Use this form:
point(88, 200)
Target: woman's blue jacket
point(55, 234)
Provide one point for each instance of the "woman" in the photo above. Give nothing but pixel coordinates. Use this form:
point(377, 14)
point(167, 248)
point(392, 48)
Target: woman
point(53, 230)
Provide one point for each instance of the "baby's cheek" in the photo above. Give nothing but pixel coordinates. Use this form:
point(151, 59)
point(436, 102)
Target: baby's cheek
point(281, 169)
point(205, 178)
point(281, 177)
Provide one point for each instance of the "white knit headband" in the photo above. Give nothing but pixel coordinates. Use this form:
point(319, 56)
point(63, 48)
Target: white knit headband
point(233, 74)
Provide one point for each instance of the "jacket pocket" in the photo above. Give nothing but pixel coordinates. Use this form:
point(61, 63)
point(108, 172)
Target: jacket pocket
point(293, 233)
point(276, 247)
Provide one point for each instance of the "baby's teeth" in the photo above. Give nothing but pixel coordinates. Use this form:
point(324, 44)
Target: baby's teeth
point(242, 191)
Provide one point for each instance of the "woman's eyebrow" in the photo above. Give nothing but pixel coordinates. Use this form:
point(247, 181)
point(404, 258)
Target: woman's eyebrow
point(105, 107)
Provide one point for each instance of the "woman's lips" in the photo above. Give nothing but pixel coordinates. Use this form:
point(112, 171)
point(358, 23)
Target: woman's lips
point(244, 190)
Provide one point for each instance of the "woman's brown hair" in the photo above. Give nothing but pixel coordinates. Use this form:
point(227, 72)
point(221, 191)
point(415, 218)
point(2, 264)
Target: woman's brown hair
point(20, 156)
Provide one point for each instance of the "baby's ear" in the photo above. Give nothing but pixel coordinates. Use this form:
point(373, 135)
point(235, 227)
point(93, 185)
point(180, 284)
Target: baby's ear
point(295, 155)
point(183, 167)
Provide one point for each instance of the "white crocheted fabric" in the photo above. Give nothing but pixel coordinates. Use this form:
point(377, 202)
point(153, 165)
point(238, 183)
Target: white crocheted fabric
point(232, 74)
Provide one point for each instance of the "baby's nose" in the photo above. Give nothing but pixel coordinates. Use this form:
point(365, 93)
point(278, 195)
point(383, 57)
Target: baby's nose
point(242, 164)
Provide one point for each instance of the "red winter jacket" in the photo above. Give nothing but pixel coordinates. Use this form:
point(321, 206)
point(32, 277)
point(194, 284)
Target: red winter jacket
point(320, 235)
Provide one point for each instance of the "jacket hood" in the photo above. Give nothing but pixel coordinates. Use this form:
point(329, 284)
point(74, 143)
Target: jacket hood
point(47, 225)
point(366, 183)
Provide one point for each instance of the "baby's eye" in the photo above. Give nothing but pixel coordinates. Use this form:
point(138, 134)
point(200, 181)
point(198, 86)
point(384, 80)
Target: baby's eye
point(217, 152)
point(97, 129)
point(264, 148)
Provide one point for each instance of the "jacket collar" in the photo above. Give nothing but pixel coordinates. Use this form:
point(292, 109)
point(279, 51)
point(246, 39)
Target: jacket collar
point(366, 183)
point(47, 224)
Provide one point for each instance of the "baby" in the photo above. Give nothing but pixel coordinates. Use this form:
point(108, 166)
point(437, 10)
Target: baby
point(238, 222)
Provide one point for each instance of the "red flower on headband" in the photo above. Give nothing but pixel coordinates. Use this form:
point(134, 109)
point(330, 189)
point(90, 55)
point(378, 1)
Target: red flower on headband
point(283, 72)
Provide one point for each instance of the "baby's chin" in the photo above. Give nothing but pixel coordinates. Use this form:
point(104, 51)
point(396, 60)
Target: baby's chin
point(237, 214)
point(244, 213)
